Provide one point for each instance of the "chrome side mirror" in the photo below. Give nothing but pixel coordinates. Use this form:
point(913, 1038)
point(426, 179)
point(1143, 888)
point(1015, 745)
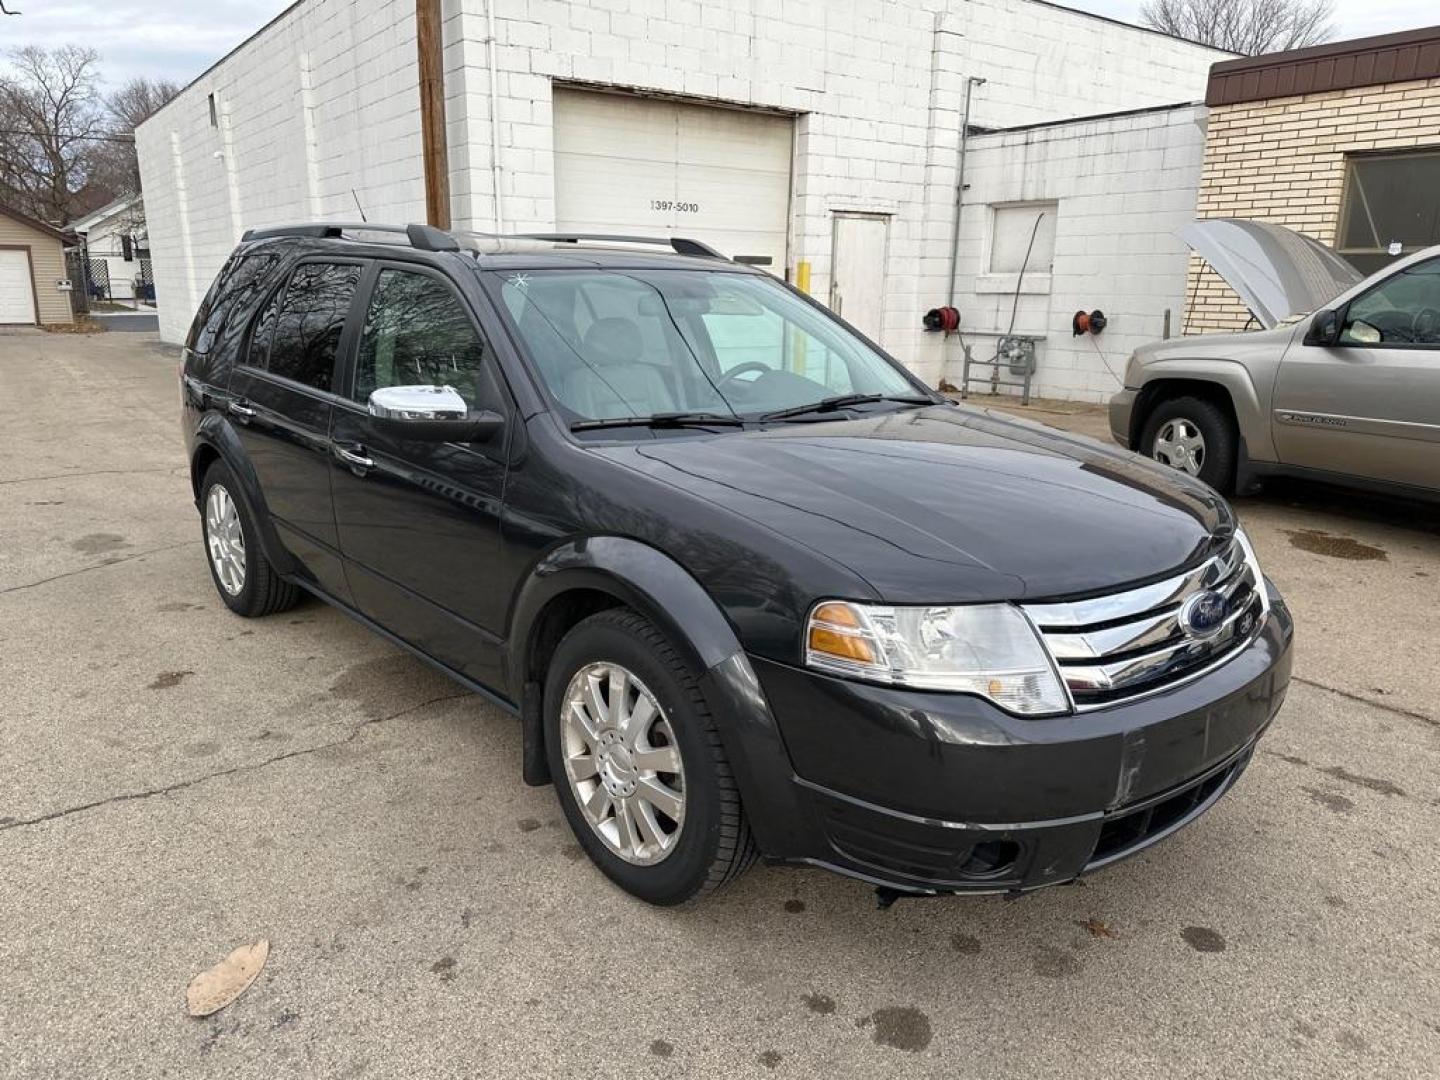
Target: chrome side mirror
point(418, 403)
point(431, 414)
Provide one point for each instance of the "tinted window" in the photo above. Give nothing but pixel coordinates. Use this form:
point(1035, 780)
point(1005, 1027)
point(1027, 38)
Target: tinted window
point(308, 326)
point(221, 315)
point(1404, 309)
point(417, 333)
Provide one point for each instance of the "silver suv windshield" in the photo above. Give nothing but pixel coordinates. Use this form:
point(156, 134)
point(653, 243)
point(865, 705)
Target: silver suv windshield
point(613, 344)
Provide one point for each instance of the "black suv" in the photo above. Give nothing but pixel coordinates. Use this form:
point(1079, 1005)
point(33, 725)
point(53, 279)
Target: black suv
point(751, 588)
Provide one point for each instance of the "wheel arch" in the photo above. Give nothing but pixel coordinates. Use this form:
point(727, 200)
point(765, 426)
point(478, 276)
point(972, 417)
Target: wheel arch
point(215, 440)
point(1225, 382)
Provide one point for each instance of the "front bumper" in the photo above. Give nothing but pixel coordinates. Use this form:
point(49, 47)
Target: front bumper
point(926, 792)
point(1122, 408)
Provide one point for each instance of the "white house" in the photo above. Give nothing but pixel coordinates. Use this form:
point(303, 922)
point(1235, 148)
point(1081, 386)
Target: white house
point(114, 238)
point(820, 135)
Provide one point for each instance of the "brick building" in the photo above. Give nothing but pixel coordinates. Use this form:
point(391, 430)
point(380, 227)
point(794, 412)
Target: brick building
point(819, 137)
point(1339, 141)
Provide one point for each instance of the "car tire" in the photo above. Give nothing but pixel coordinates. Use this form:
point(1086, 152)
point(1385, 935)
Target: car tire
point(1195, 436)
point(243, 576)
point(605, 761)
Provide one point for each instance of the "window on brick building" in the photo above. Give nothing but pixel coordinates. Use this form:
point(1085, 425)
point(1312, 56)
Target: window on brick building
point(1012, 226)
point(1389, 207)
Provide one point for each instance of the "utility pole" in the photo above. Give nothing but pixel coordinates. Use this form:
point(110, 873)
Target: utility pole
point(436, 155)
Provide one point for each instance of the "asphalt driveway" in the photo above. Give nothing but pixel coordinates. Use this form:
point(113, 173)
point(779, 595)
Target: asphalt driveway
point(176, 781)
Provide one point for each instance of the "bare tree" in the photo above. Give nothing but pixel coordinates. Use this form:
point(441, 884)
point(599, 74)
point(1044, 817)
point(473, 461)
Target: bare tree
point(50, 120)
point(1249, 27)
point(116, 168)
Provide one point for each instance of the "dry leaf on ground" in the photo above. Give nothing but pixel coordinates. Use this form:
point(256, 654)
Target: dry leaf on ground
point(212, 990)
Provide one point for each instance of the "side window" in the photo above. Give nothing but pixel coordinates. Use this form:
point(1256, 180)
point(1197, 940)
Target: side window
point(309, 323)
point(221, 315)
point(417, 333)
point(1404, 310)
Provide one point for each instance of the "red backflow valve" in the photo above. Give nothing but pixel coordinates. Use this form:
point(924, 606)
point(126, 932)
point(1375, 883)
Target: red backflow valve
point(945, 319)
point(1091, 323)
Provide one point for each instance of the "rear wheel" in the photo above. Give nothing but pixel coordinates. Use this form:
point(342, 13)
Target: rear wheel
point(1194, 436)
point(637, 761)
point(243, 576)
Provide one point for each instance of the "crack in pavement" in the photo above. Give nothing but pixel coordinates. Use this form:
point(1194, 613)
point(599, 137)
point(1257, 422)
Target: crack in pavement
point(1398, 710)
point(94, 472)
point(181, 785)
point(116, 561)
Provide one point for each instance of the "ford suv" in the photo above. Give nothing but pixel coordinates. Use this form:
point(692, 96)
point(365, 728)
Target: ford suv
point(749, 586)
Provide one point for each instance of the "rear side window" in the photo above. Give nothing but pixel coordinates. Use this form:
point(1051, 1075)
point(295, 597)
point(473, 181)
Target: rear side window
point(221, 315)
point(308, 323)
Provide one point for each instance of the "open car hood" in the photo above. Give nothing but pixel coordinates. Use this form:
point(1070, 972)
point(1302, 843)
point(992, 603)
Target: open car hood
point(1278, 272)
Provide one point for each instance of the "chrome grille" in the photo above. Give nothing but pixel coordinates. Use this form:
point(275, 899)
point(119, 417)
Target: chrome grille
point(1112, 648)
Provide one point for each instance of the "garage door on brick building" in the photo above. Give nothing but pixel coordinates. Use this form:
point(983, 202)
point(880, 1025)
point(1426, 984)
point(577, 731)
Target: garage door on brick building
point(647, 166)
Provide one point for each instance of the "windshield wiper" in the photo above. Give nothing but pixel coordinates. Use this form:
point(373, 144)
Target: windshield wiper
point(661, 420)
point(841, 401)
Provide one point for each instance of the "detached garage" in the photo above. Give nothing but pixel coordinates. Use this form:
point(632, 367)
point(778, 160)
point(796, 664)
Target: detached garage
point(32, 263)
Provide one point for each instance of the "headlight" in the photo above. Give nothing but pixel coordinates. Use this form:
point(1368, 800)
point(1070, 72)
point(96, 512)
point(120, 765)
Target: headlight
point(990, 650)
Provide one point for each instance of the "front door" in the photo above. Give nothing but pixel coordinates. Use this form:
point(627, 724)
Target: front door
point(419, 522)
point(857, 286)
point(280, 402)
point(1370, 404)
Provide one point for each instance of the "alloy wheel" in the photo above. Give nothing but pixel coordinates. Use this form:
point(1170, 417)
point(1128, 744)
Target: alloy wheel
point(623, 763)
point(1180, 445)
point(226, 539)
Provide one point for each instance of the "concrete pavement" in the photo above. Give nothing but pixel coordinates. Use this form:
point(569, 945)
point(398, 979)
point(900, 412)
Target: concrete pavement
point(178, 781)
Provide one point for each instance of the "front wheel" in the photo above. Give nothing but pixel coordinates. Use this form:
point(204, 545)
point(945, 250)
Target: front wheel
point(638, 764)
point(1193, 436)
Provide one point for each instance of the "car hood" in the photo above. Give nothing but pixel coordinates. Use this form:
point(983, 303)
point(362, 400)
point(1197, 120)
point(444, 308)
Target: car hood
point(953, 503)
point(1278, 272)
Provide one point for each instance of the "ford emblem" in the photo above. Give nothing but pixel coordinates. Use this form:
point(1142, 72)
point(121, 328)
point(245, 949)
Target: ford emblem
point(1203, 615)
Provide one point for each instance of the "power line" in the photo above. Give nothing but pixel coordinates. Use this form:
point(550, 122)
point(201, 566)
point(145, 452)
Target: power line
point(129, 139)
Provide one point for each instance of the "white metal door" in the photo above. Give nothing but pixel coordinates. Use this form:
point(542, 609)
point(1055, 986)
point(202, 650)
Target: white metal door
point(857, 285)
point(649, 167)
point(17, 292)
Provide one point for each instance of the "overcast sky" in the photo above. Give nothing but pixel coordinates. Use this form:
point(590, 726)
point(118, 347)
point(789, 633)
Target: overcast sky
point(178, 39)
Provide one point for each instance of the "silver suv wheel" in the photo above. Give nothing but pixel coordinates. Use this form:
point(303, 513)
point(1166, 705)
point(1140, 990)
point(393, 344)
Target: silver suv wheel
point(1180, 445)
point(225, 539)
point(623, 763)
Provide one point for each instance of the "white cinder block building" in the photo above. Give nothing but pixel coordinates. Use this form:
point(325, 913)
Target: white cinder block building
point(1109, 194)
point(821, 135)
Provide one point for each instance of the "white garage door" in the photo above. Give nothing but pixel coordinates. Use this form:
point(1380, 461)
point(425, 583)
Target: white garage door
point(17, 296)
point(646, 167)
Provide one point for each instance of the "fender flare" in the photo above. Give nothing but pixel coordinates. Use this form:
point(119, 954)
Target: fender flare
point(636, 574)
point(651, 582)
point(217, 434)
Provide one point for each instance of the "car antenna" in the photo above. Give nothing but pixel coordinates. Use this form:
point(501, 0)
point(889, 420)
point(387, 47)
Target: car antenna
point(363, 218)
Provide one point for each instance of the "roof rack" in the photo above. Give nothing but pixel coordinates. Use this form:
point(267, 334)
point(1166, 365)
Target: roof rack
point(429, 238)
point(421, 237)
point(679, 244)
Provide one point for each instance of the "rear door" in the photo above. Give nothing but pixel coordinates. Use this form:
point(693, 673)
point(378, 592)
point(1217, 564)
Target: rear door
point(281, 399)
point(1369, 405)
point(419, 522)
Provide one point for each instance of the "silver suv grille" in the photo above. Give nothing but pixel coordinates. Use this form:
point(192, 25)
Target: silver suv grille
point(1112, 648)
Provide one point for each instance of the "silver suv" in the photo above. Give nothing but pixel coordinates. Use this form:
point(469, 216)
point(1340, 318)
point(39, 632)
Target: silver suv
point(1350, 393)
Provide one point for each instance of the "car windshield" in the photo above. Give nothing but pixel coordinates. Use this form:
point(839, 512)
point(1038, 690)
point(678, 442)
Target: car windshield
point(614, 344)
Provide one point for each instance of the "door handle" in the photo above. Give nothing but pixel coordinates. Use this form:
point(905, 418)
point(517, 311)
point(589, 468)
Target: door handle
point(358, 462)
point(244, 412)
